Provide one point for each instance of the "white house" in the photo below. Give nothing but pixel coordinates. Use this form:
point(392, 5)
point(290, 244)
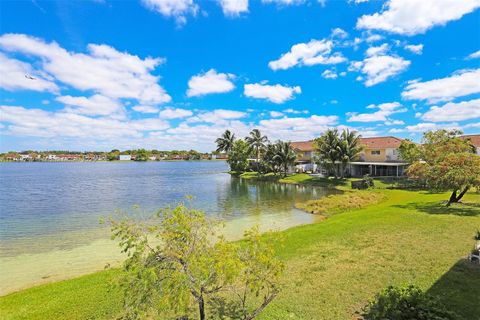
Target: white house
point(125, 157)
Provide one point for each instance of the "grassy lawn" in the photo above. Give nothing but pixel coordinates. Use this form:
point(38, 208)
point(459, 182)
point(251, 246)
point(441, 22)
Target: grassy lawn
point(333, 267)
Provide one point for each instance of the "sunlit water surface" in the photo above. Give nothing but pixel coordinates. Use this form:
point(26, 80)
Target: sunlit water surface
point(50, 212)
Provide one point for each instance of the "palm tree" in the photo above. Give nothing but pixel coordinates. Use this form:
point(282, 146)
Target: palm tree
point(269, 157)
point(225, 142)
point(257, 143)
point(328, 148)
point(349, 148)
point(285, 155)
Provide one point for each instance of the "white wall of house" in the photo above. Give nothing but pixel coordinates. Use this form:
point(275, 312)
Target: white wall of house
point(125, 157)
point(392, 154)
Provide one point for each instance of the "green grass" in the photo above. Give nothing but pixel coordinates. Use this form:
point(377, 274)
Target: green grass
point(332, 267)
point(340, 203)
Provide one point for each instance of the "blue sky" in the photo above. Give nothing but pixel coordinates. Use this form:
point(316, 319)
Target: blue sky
point(174, 74)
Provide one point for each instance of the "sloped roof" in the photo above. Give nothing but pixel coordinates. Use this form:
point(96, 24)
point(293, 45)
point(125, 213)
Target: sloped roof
point(369, 143)
point(474, 139)
point(381, 142)
point(302, 145)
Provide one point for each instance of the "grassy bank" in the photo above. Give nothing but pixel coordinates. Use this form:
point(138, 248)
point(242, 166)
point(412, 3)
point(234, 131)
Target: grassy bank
point(333, 267)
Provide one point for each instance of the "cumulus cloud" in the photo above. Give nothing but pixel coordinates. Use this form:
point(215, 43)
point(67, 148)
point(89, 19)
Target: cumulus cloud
point(426, 126)
point(178, 9)
point(13, 76)
point(415, 48)
point(460, 84)
point(210, 82)
point(145, 109)
point(329, 74)
point(102, 69)
point(274, 93)
point(233, 7)
point(308, 54)
point(411, 17)
point(474, 55)
point(383, 112)
point(217, 116)
point(175, 113)
point(40, 123)
point(276, 114)
point(96, 105)
point(379, 68)
point(461, 111)
point(284, 2)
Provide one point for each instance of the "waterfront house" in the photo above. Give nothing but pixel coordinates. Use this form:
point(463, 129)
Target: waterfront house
point(474, 140)
point(125, 157)
point(379, 158)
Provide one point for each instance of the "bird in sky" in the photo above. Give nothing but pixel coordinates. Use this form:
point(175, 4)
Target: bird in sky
point(30, 77)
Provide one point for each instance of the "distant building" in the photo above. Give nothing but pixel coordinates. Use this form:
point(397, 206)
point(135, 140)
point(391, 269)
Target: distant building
point(125, 157)
point(474, 140)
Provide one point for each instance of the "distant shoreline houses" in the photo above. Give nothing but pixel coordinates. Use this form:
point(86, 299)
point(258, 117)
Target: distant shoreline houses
point(57, 156)
point(379, 158)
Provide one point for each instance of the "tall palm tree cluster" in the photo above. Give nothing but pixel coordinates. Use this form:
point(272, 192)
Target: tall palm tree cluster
point(269, 157)
point(335, 150)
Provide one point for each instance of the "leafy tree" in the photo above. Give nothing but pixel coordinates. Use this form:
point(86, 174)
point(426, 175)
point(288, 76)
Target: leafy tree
point(269, 161)
point(327, 147)
point(406, 304)
point(178, 266)
point(238, 156)
point(285, 156)
point(141, 155)
point(257, 143)
point(225, 142)
point(349, 148)
point(443, 162)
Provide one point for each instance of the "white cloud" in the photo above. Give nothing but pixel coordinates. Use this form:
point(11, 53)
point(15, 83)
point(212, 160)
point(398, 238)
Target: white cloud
point(380, 68)
point(217, 116)
point(378, 50)
point(174, 113)
point(233, 7)
point(293, 111)
point(308, 54)
point(178, 9)
point(461, 111)
point(103, 69)
point(374, 38)
point(415, 48)
point(463, 83)
point(40, 123)
point(383, 112)
point(96, 105)
point(276, 114)
point(474, 55)
point(410, 17)
point(274, 93)
point(210, 82)
point(329, 74)
point(145, 109)
point(284, 2)
point(13, 76)
point(426, 126)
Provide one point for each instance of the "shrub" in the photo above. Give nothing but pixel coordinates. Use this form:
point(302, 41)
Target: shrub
point(406, 304)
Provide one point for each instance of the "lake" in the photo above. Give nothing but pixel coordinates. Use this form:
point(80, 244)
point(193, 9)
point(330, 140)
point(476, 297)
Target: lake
point(50, 212)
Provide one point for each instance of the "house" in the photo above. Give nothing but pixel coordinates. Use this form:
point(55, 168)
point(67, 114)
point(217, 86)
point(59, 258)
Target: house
point(379, 157)
point(474, 140)
point(125, 157)
point(305, 156)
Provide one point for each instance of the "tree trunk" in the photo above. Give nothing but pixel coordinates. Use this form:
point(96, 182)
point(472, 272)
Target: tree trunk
point(454, 198)
point(460, 196)
point(201, 307)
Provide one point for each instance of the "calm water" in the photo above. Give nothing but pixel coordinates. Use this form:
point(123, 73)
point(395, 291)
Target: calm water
point(49, 212)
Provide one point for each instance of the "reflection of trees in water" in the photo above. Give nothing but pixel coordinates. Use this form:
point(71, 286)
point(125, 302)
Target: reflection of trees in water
point(256, 197)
